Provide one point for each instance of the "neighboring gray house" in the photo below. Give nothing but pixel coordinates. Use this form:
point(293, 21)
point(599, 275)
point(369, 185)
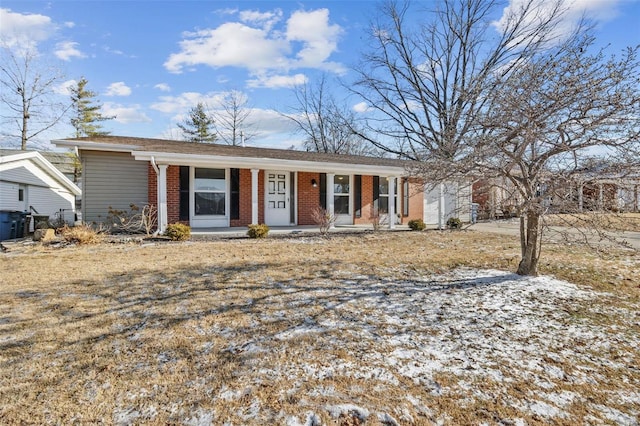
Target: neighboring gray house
point(30, 183)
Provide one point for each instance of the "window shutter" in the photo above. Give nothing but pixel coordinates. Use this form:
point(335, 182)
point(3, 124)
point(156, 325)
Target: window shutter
point(357, 195)
point(235, 194)
point(376, 195)
point(184, 193)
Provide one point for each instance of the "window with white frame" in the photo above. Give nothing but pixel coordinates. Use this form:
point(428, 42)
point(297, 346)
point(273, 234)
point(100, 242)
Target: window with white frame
point(383, 200)
point(210, 187)
point(341, 194)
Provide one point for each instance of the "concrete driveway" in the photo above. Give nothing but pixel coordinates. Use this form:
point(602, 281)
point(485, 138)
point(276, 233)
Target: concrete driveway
point(555, 233)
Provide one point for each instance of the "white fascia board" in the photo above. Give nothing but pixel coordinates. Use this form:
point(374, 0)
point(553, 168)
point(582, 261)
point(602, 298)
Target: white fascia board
point(95, 146)
point(267, 164)
point(57, 174)
point(45, 165)
point(6, 159)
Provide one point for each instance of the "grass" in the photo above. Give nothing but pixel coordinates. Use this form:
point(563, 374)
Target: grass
point(290, 330)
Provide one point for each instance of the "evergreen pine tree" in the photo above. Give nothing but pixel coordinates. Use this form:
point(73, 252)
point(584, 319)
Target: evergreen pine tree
point(198, 127)
point(86, 113)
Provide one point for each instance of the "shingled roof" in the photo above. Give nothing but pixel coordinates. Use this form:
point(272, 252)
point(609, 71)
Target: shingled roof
point(182, 147)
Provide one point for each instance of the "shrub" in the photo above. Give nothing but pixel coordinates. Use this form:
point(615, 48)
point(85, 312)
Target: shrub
point(136, 220)
point(258, 230)
point(417, 225)
point(323, 219)
point(454, 223)
point(178, 232)
point(80, 234)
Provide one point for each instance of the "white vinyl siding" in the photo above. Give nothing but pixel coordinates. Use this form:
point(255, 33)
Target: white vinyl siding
point(457, 202)
point(111, 179)
point(43, 192)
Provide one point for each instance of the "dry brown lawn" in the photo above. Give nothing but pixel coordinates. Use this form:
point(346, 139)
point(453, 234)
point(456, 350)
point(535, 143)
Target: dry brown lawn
point(372, 328)
point(605, 221)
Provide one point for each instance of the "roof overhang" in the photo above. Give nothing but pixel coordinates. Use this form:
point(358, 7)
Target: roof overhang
point(94, 146)
point(245, 162)
point(266, 163)
point(44, 164)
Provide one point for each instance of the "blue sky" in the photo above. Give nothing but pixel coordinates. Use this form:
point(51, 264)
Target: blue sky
point(150, 61)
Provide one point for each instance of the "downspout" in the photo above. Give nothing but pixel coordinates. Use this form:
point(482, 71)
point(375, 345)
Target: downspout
point(157, 170)
point(154, 165)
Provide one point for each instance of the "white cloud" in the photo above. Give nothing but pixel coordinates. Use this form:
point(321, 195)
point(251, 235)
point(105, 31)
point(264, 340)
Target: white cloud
point(24, 31)
point(118, 89)
point(231, 44)
point(266, 20)
point(67, 49)
point(182, 103)
point(361, 107)
point(163, 87)
point(319, 38)
point(599, 11)
point(306, 40)
point(277, 81)
point(125, 114)
point(65, 88)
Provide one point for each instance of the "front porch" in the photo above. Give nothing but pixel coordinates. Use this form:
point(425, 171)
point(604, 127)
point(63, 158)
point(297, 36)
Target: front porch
point(240, 231)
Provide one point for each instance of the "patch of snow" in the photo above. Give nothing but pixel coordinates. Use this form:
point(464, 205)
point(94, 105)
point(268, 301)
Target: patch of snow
point(200, 418)
point(312, 419)
point(618, 417)
point(349, 410)
point(386, 420)
point(546, 410)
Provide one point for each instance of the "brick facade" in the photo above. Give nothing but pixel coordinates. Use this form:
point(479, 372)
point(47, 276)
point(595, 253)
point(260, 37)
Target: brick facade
point(173, 192)
point(308, 197)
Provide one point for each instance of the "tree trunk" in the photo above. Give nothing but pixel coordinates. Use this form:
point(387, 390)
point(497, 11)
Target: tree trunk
point(530, 240)
point(23, 135)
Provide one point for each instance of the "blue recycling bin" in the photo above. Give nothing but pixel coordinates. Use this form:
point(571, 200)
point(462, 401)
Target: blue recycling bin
point(7, 225)
point(12, 224)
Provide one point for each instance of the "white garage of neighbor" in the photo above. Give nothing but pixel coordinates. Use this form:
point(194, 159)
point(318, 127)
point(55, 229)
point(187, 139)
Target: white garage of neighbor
point(446, 200)
point(29, 183)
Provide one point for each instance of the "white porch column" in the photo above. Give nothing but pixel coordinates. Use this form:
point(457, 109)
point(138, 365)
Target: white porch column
point(392, 204)
point(254, 195)
point(330, 197)
point(162, 197)
point(441, 204)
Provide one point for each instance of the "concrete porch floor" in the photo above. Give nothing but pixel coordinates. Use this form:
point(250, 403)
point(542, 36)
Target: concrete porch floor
point(241, 231)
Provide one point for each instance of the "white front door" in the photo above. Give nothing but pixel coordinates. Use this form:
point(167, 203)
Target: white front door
point(277, 198)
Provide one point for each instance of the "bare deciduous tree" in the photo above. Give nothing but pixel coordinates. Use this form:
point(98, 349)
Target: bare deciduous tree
point(328, 127)
point(231, 117)
point(550, 112)
point(28, 98)
point(515, 100)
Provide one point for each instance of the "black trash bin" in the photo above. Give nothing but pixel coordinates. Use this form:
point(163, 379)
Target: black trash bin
point(20, 218)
